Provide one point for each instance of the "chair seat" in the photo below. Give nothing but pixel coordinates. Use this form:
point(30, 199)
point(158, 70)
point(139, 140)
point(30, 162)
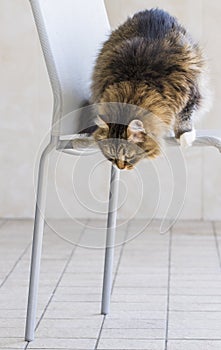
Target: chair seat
point(84, 144)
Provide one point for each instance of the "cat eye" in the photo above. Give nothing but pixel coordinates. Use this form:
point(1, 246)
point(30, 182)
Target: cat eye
point(135, 156)
point(110, 157)
point(131, 160)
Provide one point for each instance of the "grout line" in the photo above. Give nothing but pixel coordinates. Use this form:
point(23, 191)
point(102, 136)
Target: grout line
point(168, 290)
point(4, 221)
point(202, 184)
point(15, 264)
point(100, 332)
point(59, 280)
point(197, 339)
point(216, 243)
point(19, 218)
point(113, 283)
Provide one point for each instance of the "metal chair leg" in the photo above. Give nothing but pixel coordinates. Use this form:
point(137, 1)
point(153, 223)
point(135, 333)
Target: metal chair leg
point(110, 240)
point(37, 244)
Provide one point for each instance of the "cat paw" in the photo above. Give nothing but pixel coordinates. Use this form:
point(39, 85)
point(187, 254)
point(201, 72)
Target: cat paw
point(187, 138)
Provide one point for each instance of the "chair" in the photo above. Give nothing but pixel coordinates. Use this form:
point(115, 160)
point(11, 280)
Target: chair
point(70, 38)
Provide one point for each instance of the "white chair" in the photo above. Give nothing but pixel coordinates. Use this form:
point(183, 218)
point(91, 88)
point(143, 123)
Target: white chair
point(71, 34)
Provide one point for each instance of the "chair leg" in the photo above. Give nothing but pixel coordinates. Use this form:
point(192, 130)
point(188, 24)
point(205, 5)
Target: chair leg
point(37, 244)
point(110, 240)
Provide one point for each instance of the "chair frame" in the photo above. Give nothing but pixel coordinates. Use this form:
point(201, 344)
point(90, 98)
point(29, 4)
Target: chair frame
point(42, 190)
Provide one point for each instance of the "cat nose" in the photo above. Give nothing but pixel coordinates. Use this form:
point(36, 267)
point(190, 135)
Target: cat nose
point(120, 164)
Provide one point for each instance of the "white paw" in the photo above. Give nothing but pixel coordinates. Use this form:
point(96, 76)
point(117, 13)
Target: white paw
point(187, 139)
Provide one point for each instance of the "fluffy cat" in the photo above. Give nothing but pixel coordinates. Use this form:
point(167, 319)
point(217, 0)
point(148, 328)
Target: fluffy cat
point(147, 80)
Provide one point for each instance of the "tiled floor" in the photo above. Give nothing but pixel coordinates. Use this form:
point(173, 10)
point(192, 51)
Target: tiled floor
point(166, 295)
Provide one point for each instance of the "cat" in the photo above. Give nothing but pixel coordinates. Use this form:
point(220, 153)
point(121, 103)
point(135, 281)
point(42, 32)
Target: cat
point(147, 80)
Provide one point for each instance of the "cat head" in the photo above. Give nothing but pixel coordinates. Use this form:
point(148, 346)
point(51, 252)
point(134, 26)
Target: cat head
point(125, 145)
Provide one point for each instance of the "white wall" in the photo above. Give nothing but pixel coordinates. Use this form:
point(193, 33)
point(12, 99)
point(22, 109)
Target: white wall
point(25, 113)
point(24, 109)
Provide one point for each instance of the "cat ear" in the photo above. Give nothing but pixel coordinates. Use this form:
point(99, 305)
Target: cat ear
point(101, 123)
point(135, 131)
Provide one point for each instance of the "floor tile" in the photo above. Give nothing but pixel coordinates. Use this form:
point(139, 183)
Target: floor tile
point(159, 305)
point(12, 343)
point(70, 289)
point(194, 345)
point(42, 343)
point(151, 333)
point(123, 323)
point(130, 344)
point(77, 322)
point(67, 333)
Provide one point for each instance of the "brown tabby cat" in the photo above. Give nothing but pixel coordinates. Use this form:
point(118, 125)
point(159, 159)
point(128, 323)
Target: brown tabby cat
point(147, 79)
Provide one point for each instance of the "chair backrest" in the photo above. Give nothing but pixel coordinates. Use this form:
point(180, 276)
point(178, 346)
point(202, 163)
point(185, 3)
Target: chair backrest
point(71, 33)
